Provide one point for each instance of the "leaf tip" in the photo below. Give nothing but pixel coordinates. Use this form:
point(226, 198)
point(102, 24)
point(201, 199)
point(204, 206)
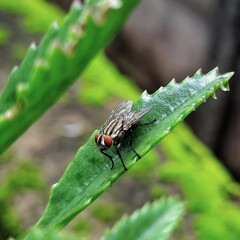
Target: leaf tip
point(55, 185)
point(216, 70)
point(198, 73)
point(225, 87)
point(173, 82)
point(145, 96)
point(227, 77)
point(33, 46)
point(15, 68)
point(214, 96)
point(55, 25)
point(159, 90)
point(76, 5)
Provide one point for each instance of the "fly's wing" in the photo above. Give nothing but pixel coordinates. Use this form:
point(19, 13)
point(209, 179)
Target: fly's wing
point(134, 117)
point(123, 109)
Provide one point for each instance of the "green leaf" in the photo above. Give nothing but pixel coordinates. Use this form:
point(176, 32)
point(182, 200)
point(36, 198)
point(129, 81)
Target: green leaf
point(48, 70)
point(152, 221)
point(89, 174)
point(35, 15)
point(193, 166)
point(53, 234)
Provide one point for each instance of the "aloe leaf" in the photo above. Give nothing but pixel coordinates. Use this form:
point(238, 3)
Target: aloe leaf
point(152, 221)
point(53, 234)
point(89, 174)
point(48, 70)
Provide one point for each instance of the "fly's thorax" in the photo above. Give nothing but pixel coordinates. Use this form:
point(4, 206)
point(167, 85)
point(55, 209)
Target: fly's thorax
point(120, 136)
point(113, 128)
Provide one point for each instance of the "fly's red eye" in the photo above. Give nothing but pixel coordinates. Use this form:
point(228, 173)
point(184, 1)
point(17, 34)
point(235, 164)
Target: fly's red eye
point(108, 141)
point(97, 137)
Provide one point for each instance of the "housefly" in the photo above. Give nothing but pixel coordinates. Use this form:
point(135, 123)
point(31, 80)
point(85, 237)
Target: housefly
point(118, 126)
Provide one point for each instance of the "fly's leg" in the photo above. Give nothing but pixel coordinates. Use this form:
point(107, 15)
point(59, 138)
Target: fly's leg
point(130, 144)
point(110, 158)
point(131, 137)
point(120, 156)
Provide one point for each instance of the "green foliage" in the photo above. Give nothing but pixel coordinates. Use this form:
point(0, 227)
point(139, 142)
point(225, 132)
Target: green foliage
point(60, 58)
point(23, 176)
point(101, 81)
point(18, 51)
point(153, 221)
point(82, 226)
point(4, 35)
point(37, 14)
point(9, 222)
point(70, 48)
point(157, 191)
point(89, 174)
point(39, 234)
point(195, 181)
point(204, 183)
point(107, 212)
point(143, 170)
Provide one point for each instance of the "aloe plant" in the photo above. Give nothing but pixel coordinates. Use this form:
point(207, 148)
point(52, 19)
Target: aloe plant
point(199, 173)
point(48, 70)
point(46, 73)
point(89, 174)
point(152, 221)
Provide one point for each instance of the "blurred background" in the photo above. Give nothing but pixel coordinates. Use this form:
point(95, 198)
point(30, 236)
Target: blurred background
point(163, 39)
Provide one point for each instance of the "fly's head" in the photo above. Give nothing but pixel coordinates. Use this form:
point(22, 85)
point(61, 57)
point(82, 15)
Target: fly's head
point(103, 141)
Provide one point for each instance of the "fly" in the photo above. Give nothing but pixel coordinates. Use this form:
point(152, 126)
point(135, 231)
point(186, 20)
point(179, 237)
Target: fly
point(119, 125)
